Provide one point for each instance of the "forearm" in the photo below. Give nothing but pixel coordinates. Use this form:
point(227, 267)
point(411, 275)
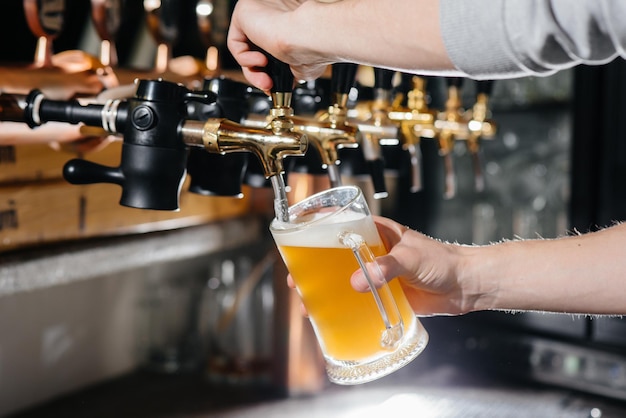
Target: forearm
point(399, 34)
point(579, 274)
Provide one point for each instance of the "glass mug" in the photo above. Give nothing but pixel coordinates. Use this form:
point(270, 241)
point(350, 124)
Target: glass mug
point(363, 336)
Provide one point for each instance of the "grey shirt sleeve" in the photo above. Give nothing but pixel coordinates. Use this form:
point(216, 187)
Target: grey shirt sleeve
point(491, 39)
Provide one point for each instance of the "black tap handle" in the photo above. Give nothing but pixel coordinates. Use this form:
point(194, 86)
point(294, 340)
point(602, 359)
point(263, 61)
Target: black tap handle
point(454, 82)
point(150, 177)
point(484, 87)
point(281, 74)
point(383, 78)
point(343, 77)
point(79, 171)
point(154, 157)
point(377, 173)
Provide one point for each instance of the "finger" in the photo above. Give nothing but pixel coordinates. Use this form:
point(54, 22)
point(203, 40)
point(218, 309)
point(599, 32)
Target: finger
point(290, 282)
point(258, 78)
point(359, 281)
point(303, 311)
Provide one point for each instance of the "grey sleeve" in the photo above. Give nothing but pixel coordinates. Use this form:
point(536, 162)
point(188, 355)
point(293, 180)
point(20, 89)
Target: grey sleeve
point(514, 38)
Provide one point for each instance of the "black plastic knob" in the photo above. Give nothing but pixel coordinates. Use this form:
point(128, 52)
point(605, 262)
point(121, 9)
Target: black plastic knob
point(383, 78)
point(484, 87)
point(154, 158)
point(454, 81)
point(343, 77)
point(213, 174)
point(150, 177)
point(281, 74)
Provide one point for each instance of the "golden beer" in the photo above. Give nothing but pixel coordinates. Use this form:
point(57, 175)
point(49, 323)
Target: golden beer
point(348, 323)
point(363, 336)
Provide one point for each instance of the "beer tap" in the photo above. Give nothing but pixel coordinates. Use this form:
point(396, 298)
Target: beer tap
point(106, 16)
point(213, 174)
point(270, 144)
point(162, 17)
point(61, 76)
point(416, 121)
point(281, 124)
point(157, 136)
point(480, 127)
point(376, 126)
point(451, 126)
point(45, 19)
point(64, 75)
point(329, 131)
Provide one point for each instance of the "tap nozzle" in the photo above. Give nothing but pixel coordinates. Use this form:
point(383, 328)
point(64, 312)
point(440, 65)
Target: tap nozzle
point(480, 127)
point(451, 126)
point(329, 132)
point(374, 125)
point(416, 121)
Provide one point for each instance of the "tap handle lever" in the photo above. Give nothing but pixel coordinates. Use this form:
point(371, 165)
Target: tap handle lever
point(454, 82)
point(383, 78)
point(484, 87)
point(343, 77)
point(281, 75)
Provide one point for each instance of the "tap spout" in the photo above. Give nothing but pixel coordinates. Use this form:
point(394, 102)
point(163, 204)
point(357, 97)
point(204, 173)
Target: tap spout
point(222, 136)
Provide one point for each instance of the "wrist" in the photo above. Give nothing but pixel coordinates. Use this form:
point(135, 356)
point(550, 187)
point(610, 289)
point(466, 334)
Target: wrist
point(479, 283)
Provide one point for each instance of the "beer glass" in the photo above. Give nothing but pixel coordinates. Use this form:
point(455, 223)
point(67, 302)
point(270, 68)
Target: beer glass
point(363, 336)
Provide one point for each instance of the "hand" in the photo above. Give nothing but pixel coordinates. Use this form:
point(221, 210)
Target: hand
point(267, 25)
point(429, 270)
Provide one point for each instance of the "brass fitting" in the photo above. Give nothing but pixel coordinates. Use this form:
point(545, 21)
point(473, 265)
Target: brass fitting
point(222, 136)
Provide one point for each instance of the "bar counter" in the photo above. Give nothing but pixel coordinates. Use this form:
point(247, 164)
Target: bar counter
point(426, 388)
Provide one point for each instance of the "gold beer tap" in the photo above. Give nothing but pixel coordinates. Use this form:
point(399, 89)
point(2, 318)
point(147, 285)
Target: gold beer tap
point(480, 127)
point(270, 144)
point(451, 125)
point(374, 125)
point(416, 121)
point(329, 131)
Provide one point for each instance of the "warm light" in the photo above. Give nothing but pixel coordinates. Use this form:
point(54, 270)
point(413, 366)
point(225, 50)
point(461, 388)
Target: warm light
point(404, 404)
point(151, 5)
point(204, 8)
point(212, 58)
point(475, 125)
point(389, 141)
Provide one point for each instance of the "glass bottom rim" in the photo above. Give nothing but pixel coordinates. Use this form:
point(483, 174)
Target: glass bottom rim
point(351, 373)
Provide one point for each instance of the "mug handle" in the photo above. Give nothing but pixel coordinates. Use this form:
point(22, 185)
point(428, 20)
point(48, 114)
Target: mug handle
point(389, 312)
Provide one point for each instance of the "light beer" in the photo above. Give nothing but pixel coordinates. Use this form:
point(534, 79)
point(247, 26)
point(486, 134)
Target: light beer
point(348, 324)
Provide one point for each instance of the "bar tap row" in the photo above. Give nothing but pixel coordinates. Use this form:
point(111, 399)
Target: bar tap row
point(207, 125)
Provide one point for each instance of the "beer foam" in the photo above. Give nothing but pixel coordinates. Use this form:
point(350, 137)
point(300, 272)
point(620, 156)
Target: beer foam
point(326, 230)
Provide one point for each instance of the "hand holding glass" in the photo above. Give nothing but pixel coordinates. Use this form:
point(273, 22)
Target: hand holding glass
point(363, 336)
